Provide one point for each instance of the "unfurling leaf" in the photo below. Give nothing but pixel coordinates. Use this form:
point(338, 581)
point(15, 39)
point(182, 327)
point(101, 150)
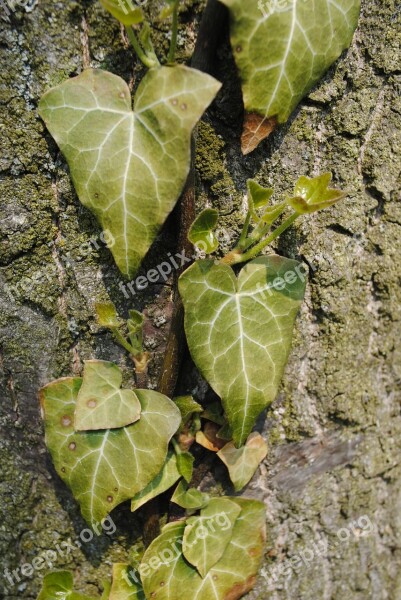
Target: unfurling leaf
point(239, 331)
point(135, 325)
point(313, 194)
point(124, 11)
point(59, 584)
point(243, 462)
point(190, 499)
point(205, 537)
point(282, 52)
point(163, 481)
point(166, 573)
point(128, 167)
point(201, 232)
point(125, 587)
point(105, 468)
point(101, 403)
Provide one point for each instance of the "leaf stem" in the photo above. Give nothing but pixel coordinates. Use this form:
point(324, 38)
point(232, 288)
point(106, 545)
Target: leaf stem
point(174, 35)
point(242, 241)
point(143, 57)
point(122, 341)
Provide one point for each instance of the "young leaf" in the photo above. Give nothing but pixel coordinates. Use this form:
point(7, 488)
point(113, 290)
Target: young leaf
point(188, 407)
point(201, 232)
point(135, 325)
point(128, 167)
point(185, 465)
point(258, 196)
point(105, 468)
point(107, 315)
point(59, 584)
point(190, 499)
point(313, 194)
point(214, 412)
point(165, 572)
point(243, 462)
point(101, 403)
point(239, 331)
point(164, 480)
point(124, 11)
point(125, 587)
point(205, 538)
point(281, 53)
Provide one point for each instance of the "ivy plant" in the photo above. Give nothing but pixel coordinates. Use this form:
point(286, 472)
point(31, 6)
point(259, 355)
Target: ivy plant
point(111, 444)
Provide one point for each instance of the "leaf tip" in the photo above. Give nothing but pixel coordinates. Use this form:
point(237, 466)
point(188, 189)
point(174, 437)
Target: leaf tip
point(256, 128)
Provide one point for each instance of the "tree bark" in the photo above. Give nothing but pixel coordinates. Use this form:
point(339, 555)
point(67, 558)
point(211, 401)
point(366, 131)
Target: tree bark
point(332, 478)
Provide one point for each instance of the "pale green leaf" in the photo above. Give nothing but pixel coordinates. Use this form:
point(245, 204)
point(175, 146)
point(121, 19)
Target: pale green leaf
point(206, 536)
point(135, 325)
point(101, 403)
point(167, 477)
point(201, 231)
point(107, 314)
point(313, 194)
point(105, 468)
point(258, 196)
point(190, 499)
point(124, 586)
point(125, 11)
point(185, 465)
point(239, 331)
point(282, 49)
point(59, 585)
point(243, 462)
point(128, 167)
point(166, 574)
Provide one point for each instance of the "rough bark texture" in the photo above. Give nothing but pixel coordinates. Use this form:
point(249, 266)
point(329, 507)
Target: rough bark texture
point(334, 432)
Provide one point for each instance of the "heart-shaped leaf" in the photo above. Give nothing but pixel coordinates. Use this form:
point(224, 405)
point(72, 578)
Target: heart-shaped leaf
point(243, 462)
point(201, 233)
point(239, 331)
point(128, 167)
point(165, 573)
point(282, 49)
point(167, 477)
point(312, 194)
point(105, 468)
point(206, 536)
point(190, 499)
point(59, 584)
point(124, 587)
point(101, 404)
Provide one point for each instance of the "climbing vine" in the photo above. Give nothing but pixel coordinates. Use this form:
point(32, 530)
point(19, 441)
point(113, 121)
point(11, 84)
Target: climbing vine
point(129, 167)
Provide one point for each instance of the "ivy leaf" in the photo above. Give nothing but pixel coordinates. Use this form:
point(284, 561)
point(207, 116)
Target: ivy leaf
point(125, 587)
point(101, 404)
point(190, 499)
point(239, 331)
point(124, 11)
point(313, 194)
point(188, 408)
point(243, 462)
point(258, 196)
point(201, 232)
point(163, 481)
point(282, 52)
point(135, 325)
point(107, 315)
point(206, 537)
point(59, 584)
point(185, 465)
point(128, 167)
point(105, 468)
point(165, 572)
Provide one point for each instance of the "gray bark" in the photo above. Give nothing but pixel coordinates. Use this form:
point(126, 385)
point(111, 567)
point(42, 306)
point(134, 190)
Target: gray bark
point(334, 432)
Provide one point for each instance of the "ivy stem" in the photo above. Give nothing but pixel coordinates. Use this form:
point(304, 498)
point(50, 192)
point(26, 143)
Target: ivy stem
point(143, 57)
point(122, 341)
point(174, 34)
point(242, 241)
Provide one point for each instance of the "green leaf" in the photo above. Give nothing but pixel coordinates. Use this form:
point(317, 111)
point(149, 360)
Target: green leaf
point(243, 462)
point(59, 584)
point(101, 404)
point(105, 468)
point(163, 481)
point(135, 325)
point(188, 407)
point(165, 572)
point(128, 167)
point(185, 464)
point(205, 539)
point(239, 331)
point(214, 412)
point(258, 196)
point(190, 499)
point(283, 49)
point(107, 315)
point(124, 586)
point(313, 194)
point(124, 11)
point(201, 232)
